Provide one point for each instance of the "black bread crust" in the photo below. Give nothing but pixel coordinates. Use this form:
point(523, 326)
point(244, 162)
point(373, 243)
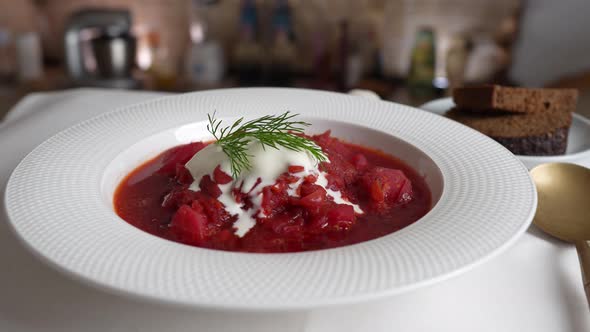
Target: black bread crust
point(549, 144)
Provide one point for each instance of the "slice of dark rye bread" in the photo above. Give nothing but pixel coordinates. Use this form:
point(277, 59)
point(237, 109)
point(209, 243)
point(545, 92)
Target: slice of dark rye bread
point(493, 98)
point(537, 133)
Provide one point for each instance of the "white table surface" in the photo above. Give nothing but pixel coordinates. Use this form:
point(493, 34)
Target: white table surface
point(533, 286)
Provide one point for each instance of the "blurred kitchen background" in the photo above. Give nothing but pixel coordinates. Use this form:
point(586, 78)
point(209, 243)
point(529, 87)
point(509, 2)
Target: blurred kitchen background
point(408, 51)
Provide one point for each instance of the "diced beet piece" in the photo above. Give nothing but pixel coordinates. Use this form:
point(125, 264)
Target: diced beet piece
point(376, 191)
point(323, 139)
point(183, 175)
point(333, 147)
point(287, 225)
point(273, 201)
point(335, 182)
point(179, 155)
point(209, 187)
point(406, 193)
point(291, 178)
point(178, 197)
point(341, 216)
point(220, 176)
point(310, 178)
point(214, 210)
point(296, 169)
point(314, 199)
point(189, 226)
point(196, 205)
point(307, 188)
point(360, 161)
point(318, 224)
point(341, 171)
point(386, 185)
point(336, 218)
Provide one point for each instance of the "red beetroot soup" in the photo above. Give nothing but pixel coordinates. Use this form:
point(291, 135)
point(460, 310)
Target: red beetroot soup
point(156, 198)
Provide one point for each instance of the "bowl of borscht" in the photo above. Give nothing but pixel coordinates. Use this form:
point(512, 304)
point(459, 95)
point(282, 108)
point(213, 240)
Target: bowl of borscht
point(268, 199)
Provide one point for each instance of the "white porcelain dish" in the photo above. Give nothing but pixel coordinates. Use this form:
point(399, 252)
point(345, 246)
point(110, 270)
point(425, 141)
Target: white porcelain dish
point(59, 202)
point(578, 147)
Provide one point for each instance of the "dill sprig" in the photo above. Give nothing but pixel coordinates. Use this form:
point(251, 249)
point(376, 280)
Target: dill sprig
point(271, 130)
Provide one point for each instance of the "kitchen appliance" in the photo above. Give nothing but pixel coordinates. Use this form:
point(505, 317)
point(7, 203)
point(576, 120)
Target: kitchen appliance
point(100, 48)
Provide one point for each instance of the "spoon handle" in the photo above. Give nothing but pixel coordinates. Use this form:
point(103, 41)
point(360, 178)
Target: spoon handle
point(583, 248)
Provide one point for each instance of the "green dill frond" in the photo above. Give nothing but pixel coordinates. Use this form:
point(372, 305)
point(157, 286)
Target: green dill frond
point(270, 130)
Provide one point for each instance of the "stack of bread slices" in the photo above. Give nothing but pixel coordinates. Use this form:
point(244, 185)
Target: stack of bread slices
point(526, 121)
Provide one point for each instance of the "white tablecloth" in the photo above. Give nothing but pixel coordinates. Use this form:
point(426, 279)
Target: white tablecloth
point(533, 286)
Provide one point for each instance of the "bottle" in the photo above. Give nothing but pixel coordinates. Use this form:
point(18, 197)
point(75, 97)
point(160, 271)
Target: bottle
point(162, 69)
point(456, 61)
point(7, 59)
point(30, 58)
point(204, 62)
point(373, 49)
point(248, 51)
point(282, 19)
point(282, 52)
point(322, 60)
point(422, 64)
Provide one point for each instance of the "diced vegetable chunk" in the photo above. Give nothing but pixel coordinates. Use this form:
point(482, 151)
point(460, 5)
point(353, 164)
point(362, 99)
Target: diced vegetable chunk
point(387, 186)
point(189, 226)
point(179, 155)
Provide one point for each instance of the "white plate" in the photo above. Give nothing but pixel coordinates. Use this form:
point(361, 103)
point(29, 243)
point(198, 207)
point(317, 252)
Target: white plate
point(59, 201)
point(578, 146)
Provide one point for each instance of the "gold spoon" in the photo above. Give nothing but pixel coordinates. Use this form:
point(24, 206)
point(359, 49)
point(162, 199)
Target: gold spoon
point(563, 210)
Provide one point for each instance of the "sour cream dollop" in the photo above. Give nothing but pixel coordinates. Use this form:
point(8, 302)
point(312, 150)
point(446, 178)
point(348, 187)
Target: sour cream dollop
point(267, 165)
